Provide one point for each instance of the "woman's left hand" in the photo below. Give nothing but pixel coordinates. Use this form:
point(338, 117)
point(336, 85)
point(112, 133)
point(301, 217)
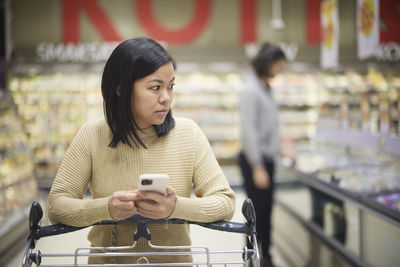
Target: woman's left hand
point(154, 205)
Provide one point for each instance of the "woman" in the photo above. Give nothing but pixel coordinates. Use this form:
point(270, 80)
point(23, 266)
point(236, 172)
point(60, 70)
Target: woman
point(139, 135)
point(260, 138)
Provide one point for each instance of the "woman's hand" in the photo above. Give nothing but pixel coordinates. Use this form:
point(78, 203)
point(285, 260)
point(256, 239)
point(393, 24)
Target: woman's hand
point(154, 205)
point(261, 178)
point(121, 204)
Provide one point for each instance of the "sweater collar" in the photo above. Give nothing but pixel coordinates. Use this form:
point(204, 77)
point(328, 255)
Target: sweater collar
point(253, 79)
point(147, 132)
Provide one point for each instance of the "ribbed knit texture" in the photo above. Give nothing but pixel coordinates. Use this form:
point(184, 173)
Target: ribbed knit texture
point(184, 154)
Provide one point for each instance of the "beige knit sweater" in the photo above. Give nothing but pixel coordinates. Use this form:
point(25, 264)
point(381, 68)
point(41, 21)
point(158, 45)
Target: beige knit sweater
point(184, 154)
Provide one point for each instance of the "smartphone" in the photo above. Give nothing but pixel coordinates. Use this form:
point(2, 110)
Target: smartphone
point(155, 182)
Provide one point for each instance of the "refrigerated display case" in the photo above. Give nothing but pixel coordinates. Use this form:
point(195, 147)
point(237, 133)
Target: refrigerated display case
point(18, 186)
point(350, 224)
point(345, 185)
point(346, 189)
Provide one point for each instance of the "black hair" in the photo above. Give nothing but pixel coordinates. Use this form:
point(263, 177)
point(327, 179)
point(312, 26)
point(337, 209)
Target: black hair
point(265, 58)
point(131, 60)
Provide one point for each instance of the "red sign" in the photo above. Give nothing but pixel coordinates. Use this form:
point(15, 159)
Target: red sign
point(248, 15)
point(199, 21)
point(71, 10)
point(389, 12)
point(184, 35)
point(390, 21)
point(150, 24)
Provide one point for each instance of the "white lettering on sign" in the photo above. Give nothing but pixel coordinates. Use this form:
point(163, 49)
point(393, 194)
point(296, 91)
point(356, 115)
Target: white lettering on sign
point(388, 52)
point(82, 52)
point(290, 50)
point(251, 50)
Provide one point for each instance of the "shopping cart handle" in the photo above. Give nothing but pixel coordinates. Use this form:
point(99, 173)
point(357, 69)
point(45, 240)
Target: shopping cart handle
point(37, 231)
point(225, 226)
point(35, 215)
point(249, 212)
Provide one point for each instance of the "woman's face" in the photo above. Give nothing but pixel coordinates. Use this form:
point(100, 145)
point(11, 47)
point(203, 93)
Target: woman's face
point(277, 67)
point(152, 96)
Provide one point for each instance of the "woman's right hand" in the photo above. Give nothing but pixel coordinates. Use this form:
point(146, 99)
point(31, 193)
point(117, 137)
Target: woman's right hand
point(261, 178)
point(121, 204)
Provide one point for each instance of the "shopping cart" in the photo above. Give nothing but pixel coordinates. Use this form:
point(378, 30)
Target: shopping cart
point(32, 256)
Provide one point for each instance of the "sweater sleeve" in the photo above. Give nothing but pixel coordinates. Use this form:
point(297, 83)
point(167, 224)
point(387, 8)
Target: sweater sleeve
point(248, 114)
point(66, 203)
point(214, 199)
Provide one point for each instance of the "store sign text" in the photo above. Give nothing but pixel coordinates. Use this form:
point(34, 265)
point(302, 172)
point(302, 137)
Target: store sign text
point(83, 52)
point(146, 17)
point(388, 52)
point(143, 10)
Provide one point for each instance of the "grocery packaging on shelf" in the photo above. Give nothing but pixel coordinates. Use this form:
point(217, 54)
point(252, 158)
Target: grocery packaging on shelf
point(354, 147)
point(55, 105)
point(364, 178)
point(390, 200)
point(18, 187)
point(211, 100)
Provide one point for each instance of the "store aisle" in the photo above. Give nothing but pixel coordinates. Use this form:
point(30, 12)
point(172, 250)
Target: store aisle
point(213, 239)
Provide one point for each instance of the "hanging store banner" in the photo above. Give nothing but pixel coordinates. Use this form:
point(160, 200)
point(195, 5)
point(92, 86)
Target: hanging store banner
point(85, 31)
point(367, 28)
point(330, 34)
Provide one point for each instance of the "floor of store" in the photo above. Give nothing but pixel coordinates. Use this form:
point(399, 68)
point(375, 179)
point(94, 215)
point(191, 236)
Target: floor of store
point(283, 255)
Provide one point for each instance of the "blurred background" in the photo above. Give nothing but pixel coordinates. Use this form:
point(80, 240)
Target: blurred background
point(336, 204)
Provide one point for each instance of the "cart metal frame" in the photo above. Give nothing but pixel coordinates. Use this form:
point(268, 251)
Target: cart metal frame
point(32, 256)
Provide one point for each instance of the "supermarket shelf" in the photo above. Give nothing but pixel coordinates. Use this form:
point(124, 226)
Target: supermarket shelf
point(17, 185)
point(17, 182)
point(12, 232)
point(13, 220)
point(297, 105)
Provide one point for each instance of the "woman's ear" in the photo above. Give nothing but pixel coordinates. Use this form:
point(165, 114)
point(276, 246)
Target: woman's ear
point(118, 91)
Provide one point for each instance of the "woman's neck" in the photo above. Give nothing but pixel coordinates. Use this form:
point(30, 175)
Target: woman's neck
point(265, 80)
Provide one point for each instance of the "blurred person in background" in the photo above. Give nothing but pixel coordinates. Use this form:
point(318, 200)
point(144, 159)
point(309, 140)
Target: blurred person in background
point(260, 138)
